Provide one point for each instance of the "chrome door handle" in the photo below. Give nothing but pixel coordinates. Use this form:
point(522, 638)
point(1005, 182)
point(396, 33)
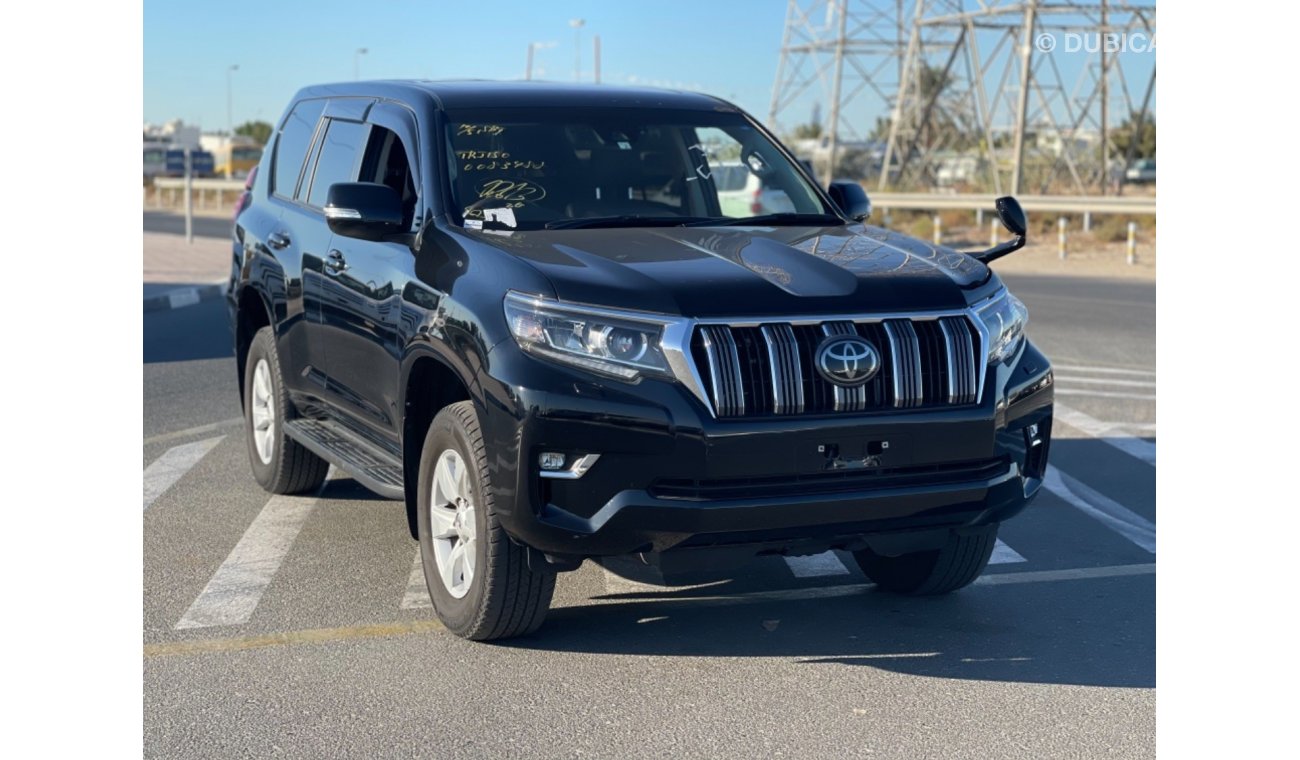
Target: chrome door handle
point(277, 241)
point(335, 263)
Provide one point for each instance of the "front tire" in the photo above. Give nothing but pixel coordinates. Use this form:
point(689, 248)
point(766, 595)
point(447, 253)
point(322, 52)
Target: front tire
point(280, 464)
point(479, 580)
point(938, 571)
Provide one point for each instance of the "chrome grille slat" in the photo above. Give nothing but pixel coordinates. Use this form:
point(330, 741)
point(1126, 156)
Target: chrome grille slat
point(905, 352)
point(787, 370)
point(929, 361)
point(960, 343)
point(724, 370)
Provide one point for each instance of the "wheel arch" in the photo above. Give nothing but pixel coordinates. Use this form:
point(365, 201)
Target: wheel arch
point(252, 313)
point(430, 384)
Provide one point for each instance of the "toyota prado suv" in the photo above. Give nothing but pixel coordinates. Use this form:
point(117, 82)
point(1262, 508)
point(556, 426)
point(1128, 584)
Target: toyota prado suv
point(526, 311)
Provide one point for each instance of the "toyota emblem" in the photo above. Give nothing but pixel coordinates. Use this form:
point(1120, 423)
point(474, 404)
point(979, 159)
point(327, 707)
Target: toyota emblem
point(847, 360)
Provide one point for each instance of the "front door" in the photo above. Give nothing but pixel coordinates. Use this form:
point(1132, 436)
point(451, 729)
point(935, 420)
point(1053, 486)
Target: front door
point(362, 308)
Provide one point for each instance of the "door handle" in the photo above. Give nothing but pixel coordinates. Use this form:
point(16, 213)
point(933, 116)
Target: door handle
point(277, 241)
point(335, 263)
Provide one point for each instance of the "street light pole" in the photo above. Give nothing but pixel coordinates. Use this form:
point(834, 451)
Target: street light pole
point(356, 62)
point(577, 24)
point(230, 119)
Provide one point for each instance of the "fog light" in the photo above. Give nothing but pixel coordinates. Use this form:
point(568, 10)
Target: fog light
point(1032, 432)
point(551, 460)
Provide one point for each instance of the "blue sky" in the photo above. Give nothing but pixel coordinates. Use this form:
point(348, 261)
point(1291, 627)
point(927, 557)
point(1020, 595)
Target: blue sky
point(728, 48)
point(725, 47)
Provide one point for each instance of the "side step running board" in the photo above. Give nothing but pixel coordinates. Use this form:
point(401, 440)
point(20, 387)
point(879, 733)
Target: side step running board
point(368, 464)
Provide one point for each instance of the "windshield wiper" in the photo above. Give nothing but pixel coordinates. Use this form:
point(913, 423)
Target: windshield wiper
point(785, 218)
point(623, 220)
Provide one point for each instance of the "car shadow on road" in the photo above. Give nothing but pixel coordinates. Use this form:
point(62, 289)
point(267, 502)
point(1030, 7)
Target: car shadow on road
point(1095, 632)
point(190, 333)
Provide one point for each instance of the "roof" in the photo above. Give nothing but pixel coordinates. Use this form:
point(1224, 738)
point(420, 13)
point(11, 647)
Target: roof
point(489, 94)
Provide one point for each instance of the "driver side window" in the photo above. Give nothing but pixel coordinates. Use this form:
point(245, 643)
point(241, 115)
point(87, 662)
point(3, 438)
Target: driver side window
point(387, 162)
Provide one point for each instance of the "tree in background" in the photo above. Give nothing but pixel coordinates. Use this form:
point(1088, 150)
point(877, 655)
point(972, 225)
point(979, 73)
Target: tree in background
point(1122, 137)
point(258, 130)
point(809, 131)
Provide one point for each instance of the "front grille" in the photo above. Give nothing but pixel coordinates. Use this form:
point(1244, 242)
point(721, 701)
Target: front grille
point(768, 369)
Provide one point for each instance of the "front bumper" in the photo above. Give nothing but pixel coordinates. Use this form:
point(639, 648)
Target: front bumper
point(671, 478)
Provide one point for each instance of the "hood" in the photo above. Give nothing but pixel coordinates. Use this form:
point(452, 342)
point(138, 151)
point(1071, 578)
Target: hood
point(754, 271)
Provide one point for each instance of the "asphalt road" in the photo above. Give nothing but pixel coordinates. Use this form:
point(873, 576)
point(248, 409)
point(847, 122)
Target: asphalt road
point(290, 626)
point(203, 225)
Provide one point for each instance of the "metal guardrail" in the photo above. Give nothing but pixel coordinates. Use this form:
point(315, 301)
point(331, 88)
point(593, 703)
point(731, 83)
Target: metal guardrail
point(178, 183)
point(1056, 204)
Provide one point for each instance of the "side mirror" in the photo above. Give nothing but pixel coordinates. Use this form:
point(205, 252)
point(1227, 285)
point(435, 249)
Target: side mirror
point(1013, 218)
point(851, 199)
point(365, 210)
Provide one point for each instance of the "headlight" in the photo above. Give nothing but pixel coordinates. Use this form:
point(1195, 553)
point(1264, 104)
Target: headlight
point(622, 344)
point(1004, 319)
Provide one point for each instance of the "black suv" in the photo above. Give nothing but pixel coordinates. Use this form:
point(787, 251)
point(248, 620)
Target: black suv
point(524, 310)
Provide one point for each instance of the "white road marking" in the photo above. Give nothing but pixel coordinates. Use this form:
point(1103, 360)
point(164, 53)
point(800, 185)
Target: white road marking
point(1004, 555)
point(232, 594)
point(1106, 433)
point(1104, 381)
point(191, 432)
point(1073, 574)
point(1104, 394)
point(172, 465)
point(818, 565)
point(1148, 426)
point(1106, 510)
point(417, 592)
point(1102, 370)
point(186, 297)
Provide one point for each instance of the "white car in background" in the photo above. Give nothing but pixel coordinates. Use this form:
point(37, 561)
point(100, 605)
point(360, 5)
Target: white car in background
point(741, 192)
point(1141, 172)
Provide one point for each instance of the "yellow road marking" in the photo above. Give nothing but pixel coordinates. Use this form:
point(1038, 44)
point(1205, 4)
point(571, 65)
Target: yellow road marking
point(286, 638)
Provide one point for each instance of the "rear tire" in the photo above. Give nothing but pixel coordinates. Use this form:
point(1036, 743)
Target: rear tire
point(484, 589)
point(938, 571)
point(280, 464)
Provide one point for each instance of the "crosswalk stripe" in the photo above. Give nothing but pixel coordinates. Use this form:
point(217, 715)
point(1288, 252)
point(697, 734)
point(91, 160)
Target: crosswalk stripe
point(817, 565)
point(1107, 433)
point(193, 431)
point(232, 594)
point(1004, 555)
point(1106, 510)
point(417, 592)
point(172, 466)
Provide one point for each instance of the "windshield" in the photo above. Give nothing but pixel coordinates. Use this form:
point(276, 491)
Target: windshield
point(524, 168)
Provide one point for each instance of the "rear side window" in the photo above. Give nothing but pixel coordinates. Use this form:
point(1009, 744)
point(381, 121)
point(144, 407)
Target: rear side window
point(291, 147)
point(343, 142)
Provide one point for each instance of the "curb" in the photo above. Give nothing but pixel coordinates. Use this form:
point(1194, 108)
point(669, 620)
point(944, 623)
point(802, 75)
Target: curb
point(180, 297)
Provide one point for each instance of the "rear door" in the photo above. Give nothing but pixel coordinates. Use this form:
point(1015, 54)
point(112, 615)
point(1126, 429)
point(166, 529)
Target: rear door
point(294, 239)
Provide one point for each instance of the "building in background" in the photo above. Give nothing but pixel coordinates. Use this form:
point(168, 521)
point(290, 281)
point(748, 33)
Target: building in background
point(233, 156)
point(164, 151)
